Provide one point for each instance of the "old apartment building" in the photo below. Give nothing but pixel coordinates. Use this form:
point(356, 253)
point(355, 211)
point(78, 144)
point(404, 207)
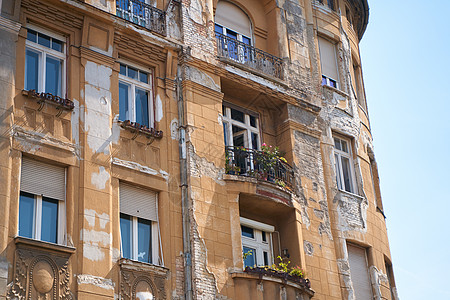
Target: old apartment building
point(187, 149)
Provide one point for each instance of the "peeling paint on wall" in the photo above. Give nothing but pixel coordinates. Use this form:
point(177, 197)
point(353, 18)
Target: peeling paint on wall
point(97, 281)
point(138, 167)
point(99, 179)
point(200, 166)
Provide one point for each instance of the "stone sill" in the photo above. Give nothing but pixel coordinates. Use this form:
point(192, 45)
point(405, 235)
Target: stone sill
point(32, 243)
point(342, 93)
point(133, 265)
point(351, 194)
point(243, 275)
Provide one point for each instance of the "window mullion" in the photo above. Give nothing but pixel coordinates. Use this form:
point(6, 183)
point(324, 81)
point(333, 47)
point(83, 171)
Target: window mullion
point(38, 217)
point(131, 103)
point(135, 237)
point(41, 72)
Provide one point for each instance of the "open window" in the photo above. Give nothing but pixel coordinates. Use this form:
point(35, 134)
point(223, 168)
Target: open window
point(328, 63)
point(343, 162)
point(45, 56)
point(42, 201)
point(139, 227)
point(240, 127)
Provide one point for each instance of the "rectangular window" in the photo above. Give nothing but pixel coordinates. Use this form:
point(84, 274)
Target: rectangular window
point(359, 272)
point(135, 95)
point(45, 62)
point(256, 243)
point(344, 165)
point(139, 226)
point(328, 63)
point(241, 128)
point(41, 202)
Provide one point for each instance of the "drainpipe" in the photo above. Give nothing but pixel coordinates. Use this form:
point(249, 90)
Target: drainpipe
point(184, 188)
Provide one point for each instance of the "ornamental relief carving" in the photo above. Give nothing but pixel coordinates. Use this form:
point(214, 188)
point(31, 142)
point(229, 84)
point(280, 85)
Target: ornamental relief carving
point(40, 275)
point(142, 282)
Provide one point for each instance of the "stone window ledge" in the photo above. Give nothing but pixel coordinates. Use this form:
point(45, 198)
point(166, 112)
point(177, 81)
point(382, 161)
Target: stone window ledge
point(137, 129)
point(338, 91)
point(138, 266)
point(351, 195)
point(41, 245)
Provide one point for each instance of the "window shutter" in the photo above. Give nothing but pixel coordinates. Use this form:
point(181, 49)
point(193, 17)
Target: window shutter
point(43, 179)
point(232, 17)
point(328, 58)
point(359, 272)
point(138, 202)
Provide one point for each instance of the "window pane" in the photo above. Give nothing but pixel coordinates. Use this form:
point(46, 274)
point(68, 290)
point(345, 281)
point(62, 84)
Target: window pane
point(125, 234)
point(144, 238)
point(266, 258)
point(245, 40)
point(132, 73)
point(344, 146)
point(123, 102)
point(237, 115)
point(123, 70)
point(346, 172)
point(249, 257)
point(324, 80)
point(142, 107)
point(264, 236)
point(143, 77)
point(44, 40)
point(53, 76)
point(333, 83)
point(337, 144)
point(254, 144)
point(31, 35)
point(49, 225)
point(57, 45)
point(218, 29)
point(32, 70)
point(231, 34)
point(26, 215)
point(252, 121)
point(247, 232)
point(225, 133)
point(238, 136)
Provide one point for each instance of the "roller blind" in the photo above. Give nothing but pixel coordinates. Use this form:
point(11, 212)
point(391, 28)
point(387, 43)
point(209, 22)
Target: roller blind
point(359, 272)
point(232, 17)
point(138, 202)
point(43, 179)
point(328, 58)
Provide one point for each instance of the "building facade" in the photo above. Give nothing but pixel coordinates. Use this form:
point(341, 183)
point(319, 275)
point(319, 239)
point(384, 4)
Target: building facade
point(187, 149)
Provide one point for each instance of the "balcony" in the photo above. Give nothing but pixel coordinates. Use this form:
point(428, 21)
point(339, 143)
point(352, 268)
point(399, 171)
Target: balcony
point(142, 14)
point(244, 54)
point(262, 165)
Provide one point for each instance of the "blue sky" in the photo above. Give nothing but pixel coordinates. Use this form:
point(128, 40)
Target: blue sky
point(405, 60)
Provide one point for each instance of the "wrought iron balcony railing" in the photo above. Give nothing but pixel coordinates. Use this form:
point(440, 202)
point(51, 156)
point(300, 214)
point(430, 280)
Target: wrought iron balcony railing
point(249, 56)
point(142, 14)
point(260, 165)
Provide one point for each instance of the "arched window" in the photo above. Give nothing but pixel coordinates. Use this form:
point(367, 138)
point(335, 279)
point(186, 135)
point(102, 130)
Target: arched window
point(232, 22)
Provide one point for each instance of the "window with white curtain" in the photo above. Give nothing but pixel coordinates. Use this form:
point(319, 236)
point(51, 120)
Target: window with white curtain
point(328, 63)
point(42, 201)
point(139, 226)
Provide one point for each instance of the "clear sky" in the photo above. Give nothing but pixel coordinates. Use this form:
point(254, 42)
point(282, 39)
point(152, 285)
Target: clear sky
point(406, 62)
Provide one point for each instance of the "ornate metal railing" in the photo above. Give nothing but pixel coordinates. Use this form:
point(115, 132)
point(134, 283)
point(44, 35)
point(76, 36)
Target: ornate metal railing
point(142, 14)
point(258, 164)
point(249, 56)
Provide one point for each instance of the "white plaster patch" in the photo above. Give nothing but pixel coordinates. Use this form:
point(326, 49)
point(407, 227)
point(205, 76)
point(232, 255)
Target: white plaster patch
point(144, 296)
point(99, 179)
point(174, 132)
point(74, 121)
point(98, 75)
point(158, 109)
point(138, 167)
point(91, 214)
point(93, 253)
point(195, 11)
point(115, 254)
point(96, 237)
point(101, 282)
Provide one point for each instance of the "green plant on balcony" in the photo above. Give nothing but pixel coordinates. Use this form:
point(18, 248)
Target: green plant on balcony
point(230, 167)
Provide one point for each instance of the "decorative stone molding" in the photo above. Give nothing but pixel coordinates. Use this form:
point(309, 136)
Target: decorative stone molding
point(140, 281)
point(41, 271)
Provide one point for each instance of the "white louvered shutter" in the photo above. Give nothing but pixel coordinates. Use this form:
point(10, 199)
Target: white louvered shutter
point(138, 202)
point(43, 179)
point(359, 272)
point(328, 58)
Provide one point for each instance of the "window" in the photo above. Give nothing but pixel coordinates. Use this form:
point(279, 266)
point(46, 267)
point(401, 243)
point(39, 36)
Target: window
point(390, 276)
point(344, 165)
point(329, 3)
point(358, 86)
point(256, 243)
point(41, 202)
point(44, 62)
point(348, 14)
point(233, 31)
point(139, 227)
point(359, 272)
point(240, 127)
point(328, 63)
point(135, 96)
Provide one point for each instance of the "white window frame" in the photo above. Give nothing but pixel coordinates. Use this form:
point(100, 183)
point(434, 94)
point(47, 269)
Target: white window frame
point(133, 84)
point(43, 52)
point(249, 129)
point(37, 219)
point(257, 242)
point(134, 241)
point(338, 155)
